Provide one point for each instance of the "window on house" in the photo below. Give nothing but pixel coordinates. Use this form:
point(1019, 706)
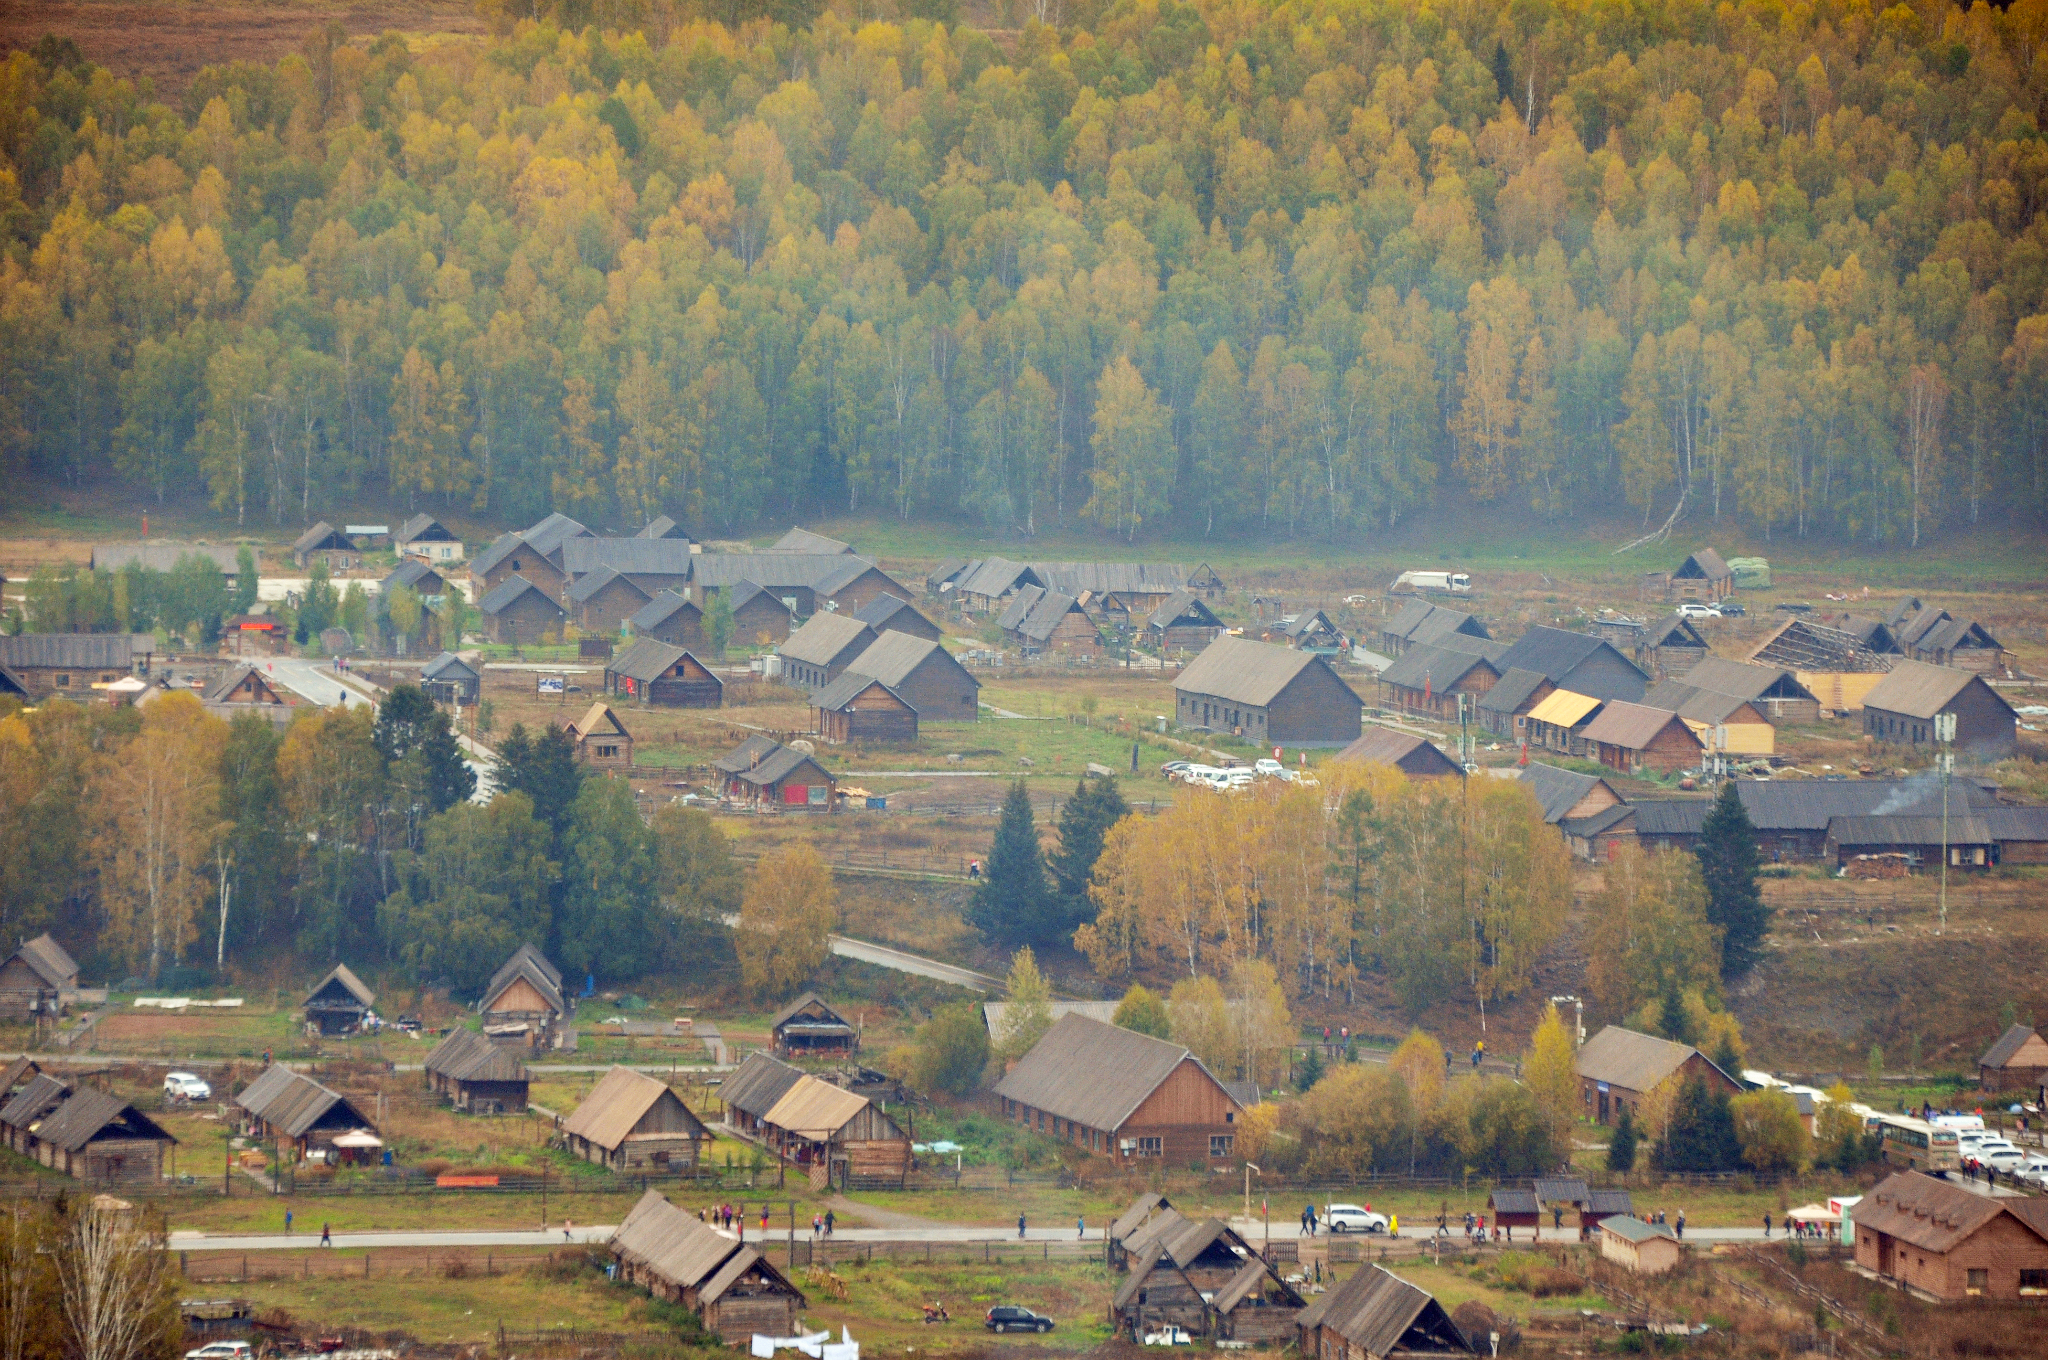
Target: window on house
point(1220, 1143)
point(1980, 1281)
point(1150, 1147)
point(515, 564)
point(2034, 1282)
point(63, 682)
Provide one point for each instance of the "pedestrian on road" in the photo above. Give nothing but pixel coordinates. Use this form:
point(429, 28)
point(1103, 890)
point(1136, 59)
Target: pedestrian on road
point(1020, 1227)
point(567, 1227)
point(1767, 1225)
point(287, 1222)
point(1681, 1225)
point(817, 1223)
point(764, 1220)
point(830, 1219)
point(1081, 1227)
point(326, 1238)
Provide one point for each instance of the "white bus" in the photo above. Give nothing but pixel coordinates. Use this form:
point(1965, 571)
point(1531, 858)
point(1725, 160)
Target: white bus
point(1920, 1145)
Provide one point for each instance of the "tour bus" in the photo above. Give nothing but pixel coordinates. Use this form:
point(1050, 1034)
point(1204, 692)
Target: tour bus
point(1920, 1145)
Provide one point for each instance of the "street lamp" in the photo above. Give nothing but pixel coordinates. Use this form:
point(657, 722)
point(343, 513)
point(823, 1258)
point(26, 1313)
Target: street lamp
point(1578, 1013)
point(1945, 761)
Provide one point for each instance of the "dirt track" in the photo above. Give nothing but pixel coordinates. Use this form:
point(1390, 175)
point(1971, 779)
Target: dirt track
point(170, 42)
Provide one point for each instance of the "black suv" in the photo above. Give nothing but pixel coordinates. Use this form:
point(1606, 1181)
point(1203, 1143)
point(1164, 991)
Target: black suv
point(1016, 1320)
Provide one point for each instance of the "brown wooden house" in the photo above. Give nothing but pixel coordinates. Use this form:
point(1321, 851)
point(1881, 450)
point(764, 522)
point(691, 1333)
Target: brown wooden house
point(517, 613)
point(735, 1291)
point(1414, 756)
point(70, 664)
point(927, 677)
point(893, 614)
point(2017, 1062)
point(1702, 576)
point(808, 1027)
point(1901, 709)
point(1944, 1242)
point(37, 978)
point(451, 679)
point(1632, 738)
point(1270, 695)
point(1121, 1095)
point(476, 1075)
point(847, 1136)
point(290, 1108)
point(672, 618)
point(819, 652)
point(761, 772)
point(1419, 622)
point(88, 1134)
point(1205, 1278)
point(1670, 648)
point(602, 741)
point(759, 617)
point(1619, 1067)
point(858, 707)
point(1429, 678)
point(631, 1122)
point(1505, 707)
point(601, 601)
point(1373, 1314)
point(659, 674)
point(248, 684)
point(1559, 723)
point(752, 1090)
point(338, 1002)
point(1184, 623)
point(1040, 621)
point(523, 1003)
point(323, 543)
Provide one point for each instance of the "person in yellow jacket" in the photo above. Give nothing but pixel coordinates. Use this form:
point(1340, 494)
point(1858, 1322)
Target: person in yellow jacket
point(1393, 1225)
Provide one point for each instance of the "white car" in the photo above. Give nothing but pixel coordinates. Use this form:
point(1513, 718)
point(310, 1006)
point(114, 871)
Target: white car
point(1355, 600)
point(1698, 611)
point(1349, 1218)
point(2007, 1159)
point(1266, 765)
point(186, 1086)
point(221, 1350)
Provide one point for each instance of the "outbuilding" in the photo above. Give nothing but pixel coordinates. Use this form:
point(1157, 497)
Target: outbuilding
point(808, 1027)
point(602, 741)
point(1121, 1095)
point(94, 1135)
point(848, 1136)
point(858, 707)
point(38, 978)
point(523, 1002)
point(761, 772)
point(518, 613)
point(289, 1107)
point(666, 676)
point(1271, 696)
point(1639, 1247)
point(631, 1122)
point(1373, 1314)
point(1633, 738)
point(2017, 1062)
point(1413, 755)
point(892, 614)
point(325, 544)
point(1702, 576)
point(735, 1291)
point(1183, 623)
point(670, 617)
point(338, 1003)
point(451, 679)
point(1948, 1244)
point(1671, 647)
point(476, 1075)
point(1901, 708)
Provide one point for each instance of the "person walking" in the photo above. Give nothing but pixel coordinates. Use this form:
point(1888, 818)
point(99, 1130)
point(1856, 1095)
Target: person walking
point(1681, 1225)
point(287, 1221)
point(1020, 1227)
point(326, 1238)
point(1081, 1227)
point(568, 1227)
point(830, 1219)
point(764, 1220)
point(1767, 1226)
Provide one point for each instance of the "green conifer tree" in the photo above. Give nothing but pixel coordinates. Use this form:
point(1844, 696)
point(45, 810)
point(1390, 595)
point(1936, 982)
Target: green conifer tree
point(1700, 1134)
point(1012, 901)
point(1728, 864)
point(1621, 1144)
point(1097, 805)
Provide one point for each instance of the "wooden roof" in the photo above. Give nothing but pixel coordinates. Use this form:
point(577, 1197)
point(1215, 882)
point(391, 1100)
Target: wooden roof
point(760, 1080)
point(350, 983)
point(48, 959)
point(1246, 672)
point(1999, 1054)
point(89, 1113)
point(1936, 1216)
point(621, 1099)
point(1379, 1312)
point(1623, 1057)
point(1919, 690)
point(1634, 726)
point(466, 1055)
point(1094, 1074)
point(816, 1109)
point(294, 1102)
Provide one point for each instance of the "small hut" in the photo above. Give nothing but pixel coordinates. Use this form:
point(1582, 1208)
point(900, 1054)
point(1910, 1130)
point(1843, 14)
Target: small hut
point(807, 1027)
point(339, 1002)
point(477, 1075)
point(631, 1122)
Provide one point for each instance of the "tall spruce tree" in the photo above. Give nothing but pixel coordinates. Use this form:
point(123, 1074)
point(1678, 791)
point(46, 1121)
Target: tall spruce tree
point(415, 738)
point(1012, 902)
point(1621, 1144)
point(543, 768)
point(1097, 805)
point(1699, 1135)
point(1728, 864)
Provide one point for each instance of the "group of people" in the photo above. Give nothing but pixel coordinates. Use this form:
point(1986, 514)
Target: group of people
point(1677, 1227)
point(726, 1216)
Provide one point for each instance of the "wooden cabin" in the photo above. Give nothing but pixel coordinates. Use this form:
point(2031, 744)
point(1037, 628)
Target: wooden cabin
point(736, 1292)
point(762, 773)
point(1373, 1314)
point(663, 675)
point(858, 707)
point(1632, 738)
point(292, 1109)
point(1272, 696)
point(523, 1003)
point(517, 613)
point(1122, 1095)
point(2017, 1062)
point(477, 1076)
point(1184, 623)
point(807, 1027)
point(323, 543)
point(1704, 576)
point(38, 978)
point(847, 1136)
point(248, 684)
point(602, 741)
point(672, 618)
point(94, 1135)
point(752, 1090)
point(631, 1122)
point(338, 1002)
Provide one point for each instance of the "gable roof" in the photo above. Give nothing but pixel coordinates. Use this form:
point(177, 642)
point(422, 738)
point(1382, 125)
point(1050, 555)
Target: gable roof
point(34, 1100)
point(2009, 1043)
point(509, 591)
point(1046, 614)
point(776, 1020)
point(1557, 652)
point(1623, 1057)
point(621, 1099)
point(1919, 690)
point(86, 651)
point(665, 605)
point(1675, 631)
point(994, 576)
point(804, 541)
point(744, 592)
point(1935, 1215)
point(878, 612)
point(529, 964)
point(1018, 607)
point(850, 686)
point(894, 655)
point(1564, 708)
point(1140, 1212)
point(293, 1101)
point(1745, 679)
point(321, 535)
point(88, 1113)
point(628, 556)
point(583, 587)
point(448, 664)
point(824, 639)
point(774, 571)
point(1693, 703)
point(1439, 666)
point(1634, 726)
point(736, 1266)
point(1813, 646)
point(1438, 622)
point(1375, 1310)
point(1558, 790)
point(760, 1080)
point(1247, 672)
point(661, 526)
point(411, 571)
point(1635, 1230)
point(501, 548)
point(48, 959)
point(597, 718)
point(466, 1055)
point(815, 1109)
point(548, 536)
point(778, 765)
point(538, 959)
point(226, 685)
point(1094, 1074)
point(15, 1072)
point(1894, 829)
point(671, 1244)
point(1705, 564)
point(1184, 608)
point(1300, 625)
point(647, 659)
point(164, 556)
point(1388, 747)
point(748, 753)
point(418, 527)
point(1512, 690)
point(1111, 578)
point(349, 981)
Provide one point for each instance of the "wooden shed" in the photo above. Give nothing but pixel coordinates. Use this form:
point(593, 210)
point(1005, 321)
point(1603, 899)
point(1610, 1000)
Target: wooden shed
point(1901, 709)
point(1270, 695)
point(518, 613)
point(451, 679)
point(476, 1075)
point(602, 741)
point(1702, 576)
point(1638, 1247)
point(1183, 623)
point(524, 1002)
point(663, 675)
point(94, 1135)
point(808, 1027)
point(2017, 1062)
point(1415, 756)
point(37, 978)
point(631, 1122)
point(1670, 648)
point(848, 1136)
point(763, 773)
point(291, 1108)
point(338, 1002)
point(670, 617)
point(858, 707)
point(1373, 1314)
point(736, 1292)
point(1632, 738)
point(323, 543)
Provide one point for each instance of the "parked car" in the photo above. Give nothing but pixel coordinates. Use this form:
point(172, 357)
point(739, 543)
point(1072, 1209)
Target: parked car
point(1698, 611)
point(1349, 1218)
point(1266, 765)
point(2008, 1159)
point(408, 1024)
point(1005, 1318)
point(1356, 600)
point(186, 1086)
point(222, 1350)
point(1731, 610)
point(1173, 768)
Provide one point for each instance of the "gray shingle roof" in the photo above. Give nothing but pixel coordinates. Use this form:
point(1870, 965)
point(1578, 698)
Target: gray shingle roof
point(620, 1100)
point(824, 639)
point(747, 754)
point(1635, 1230)
point(1633, 726)
point(1706, 563)
point(49, 960)
point(526, 963)
point(410, 573)
point(162, 556)
point(1376, 1310)
point(221, 688)
point(1388, 747)
point(418, 527)
point(1019, 607)
point(1183, 608)
point(646, 659)
point(849, 686)
point(672, 1245)
point(501, 548)
point(1675, 631)
point(1745, 679)
point(548, 536)
point(760, 1080)
point(1558, 790)
point(877, 612)
point(526, 954)
point(448, 666)
point(2009, 1043)
point(85, 651)
point(508, 591)
point(1557, 652)
point(466, 1055)
point(1441, 666)
point(321, 535)
point(659, 610)
point(1512, 690)
point(994, 576)
point(34, 1100)
point(628, 556)
point(1919, 690)
point(1245, 672)
point(1046, 614)
point(587, 585)
point(1671, 816)
point(293, 1101)
point(1909, 830)
point(893, 656)
point(1092, 1073)
point(1623, 1057)
point(661, 526)
point(804, 541)
point(88, 1113)
point(352, 984)
point(1111, 578)
point(773, 571)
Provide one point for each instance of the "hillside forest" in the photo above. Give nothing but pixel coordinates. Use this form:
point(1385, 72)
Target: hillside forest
point(1302, 270)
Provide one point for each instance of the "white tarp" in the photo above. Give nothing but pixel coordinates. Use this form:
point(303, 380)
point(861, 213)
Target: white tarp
point(817, 1345)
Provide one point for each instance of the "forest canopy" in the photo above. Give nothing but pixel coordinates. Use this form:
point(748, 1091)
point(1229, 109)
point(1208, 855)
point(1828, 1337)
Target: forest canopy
point(1300, 269)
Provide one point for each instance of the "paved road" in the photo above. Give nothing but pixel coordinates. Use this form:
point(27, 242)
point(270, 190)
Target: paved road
point(884, 957)
point(318, 681)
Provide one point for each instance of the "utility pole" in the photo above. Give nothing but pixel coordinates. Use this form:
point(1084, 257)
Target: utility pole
point(1945, 760)
point(1579, 1017)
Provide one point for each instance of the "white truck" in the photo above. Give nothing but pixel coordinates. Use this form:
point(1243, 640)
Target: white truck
point(1444, 582)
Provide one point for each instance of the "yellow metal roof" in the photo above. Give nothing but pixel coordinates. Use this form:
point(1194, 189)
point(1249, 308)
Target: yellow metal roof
point(1564, 708)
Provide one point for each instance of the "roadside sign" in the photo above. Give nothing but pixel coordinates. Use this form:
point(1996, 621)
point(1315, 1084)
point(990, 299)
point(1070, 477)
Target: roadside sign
point(552, 684)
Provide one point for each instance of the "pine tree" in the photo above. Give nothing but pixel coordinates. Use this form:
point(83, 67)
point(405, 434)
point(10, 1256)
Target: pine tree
point(1672, 1019)
point(1310, 1072)
point(1728, 864)
point(1097, 805)
point(543, 768)
point(1012, 902)
point(1700, 1133)
point(1621, 1144)
point(1503, 73)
